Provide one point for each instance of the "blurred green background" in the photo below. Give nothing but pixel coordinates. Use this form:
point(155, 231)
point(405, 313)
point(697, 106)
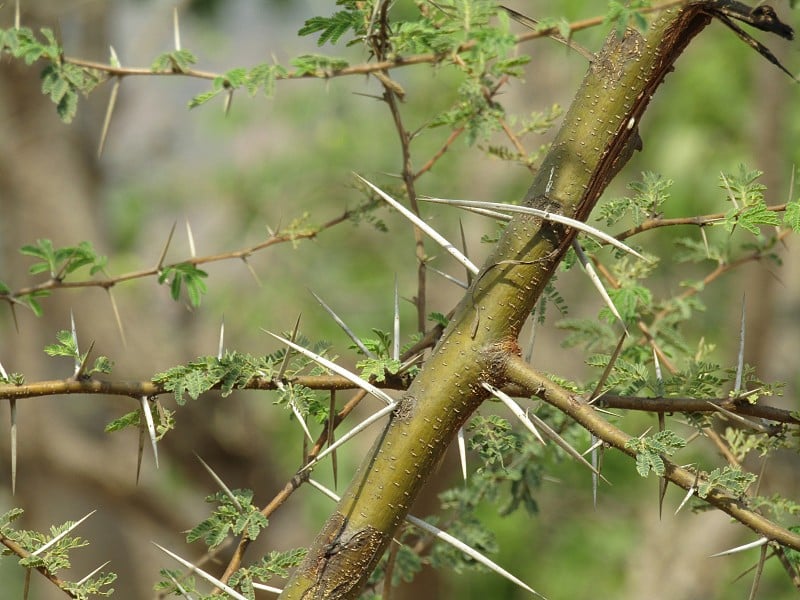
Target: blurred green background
point(272, 160)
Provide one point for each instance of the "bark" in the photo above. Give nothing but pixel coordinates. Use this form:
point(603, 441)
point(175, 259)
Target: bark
point(598, 135)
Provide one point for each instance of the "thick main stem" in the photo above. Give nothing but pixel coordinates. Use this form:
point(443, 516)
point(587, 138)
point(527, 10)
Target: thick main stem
point(596, 139)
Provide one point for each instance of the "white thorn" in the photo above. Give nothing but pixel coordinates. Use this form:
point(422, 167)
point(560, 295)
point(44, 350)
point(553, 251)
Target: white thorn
point(434, 235)
point(759, 542)
point(61, 535)
point(462, 452)
point(176, 29)
point(208, 577)
point(151, 428)
point(221, 345)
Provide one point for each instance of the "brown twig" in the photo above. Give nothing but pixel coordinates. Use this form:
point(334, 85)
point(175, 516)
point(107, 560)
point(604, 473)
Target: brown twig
point(362, 69)
point(698, 221)
point(55, 283)
point(22, 553)
point(521, 374)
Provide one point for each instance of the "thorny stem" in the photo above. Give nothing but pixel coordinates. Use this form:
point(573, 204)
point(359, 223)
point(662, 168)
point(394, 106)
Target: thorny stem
point(379, 46)
point(22, 553)
point(520, 373)
point(242, 254)
point(137, 389)
point(362, 69)
point(699, 221)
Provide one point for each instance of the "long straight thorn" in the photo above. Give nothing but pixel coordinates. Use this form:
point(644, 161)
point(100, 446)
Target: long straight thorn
point(179, 587)
point(331, 438)
point(542, 214)
point(117, 318)
point(12, 405)
point(589, 269)
point(176, 29)
point(595, 461)
point(76, 359)
point(759, 542)
point(90, 575)
point(140, 450)
point(221, 345)
point(340, 322)
point(285, 361)
point(430, 231)
point(250, 268)
point(462, 452)
point(464, 248)
point(151, 428)
point(354, 431)
point(689, 493)
point(740, 360)
point(207, 576)
point(266, 588)
point(449, 278)
point(739, 418)
point(112, 103)
point(279, 382)
point(190, 237)
point(514, 408)
point(396, 322)
point(161, 258)
point(79, 374)
point(218, 480)
point(62, 534)
point(332, 366)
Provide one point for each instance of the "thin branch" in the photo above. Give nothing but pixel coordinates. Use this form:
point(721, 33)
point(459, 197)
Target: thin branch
point(698, 221)
point(362, 69)
point(276, 238)
point(521, 373)
point(22, 553)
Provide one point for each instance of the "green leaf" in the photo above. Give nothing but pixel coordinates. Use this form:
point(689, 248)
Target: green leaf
point(227, 518)
point(791, 554)
point(65, 347)
point(63, 261)
point(649, 451)
point(130, 419)
point(438, 318)
point(791, 217)
point(185, 275)
point(102, 364)
point(203, 98)
point(729, 478)
point(492, 438)
point(177, 61)
point(233, 371)
point(378, 368)
point(333, 28)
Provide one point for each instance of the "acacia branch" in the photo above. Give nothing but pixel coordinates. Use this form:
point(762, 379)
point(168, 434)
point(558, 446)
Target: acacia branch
point(57, 283)
point(522, 374)
point(137, 389)
point(59, 387)
point(18, 550)
point(698, 221)
point(697, 405)
point(363, 69)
